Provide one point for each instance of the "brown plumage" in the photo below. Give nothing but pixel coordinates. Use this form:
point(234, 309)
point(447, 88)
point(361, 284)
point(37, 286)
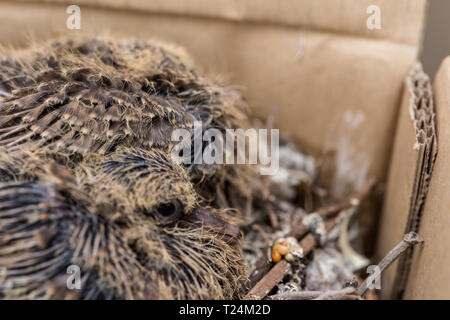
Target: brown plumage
point(86, 175)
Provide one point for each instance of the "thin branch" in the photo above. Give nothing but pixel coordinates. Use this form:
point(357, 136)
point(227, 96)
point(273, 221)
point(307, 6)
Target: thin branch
point(300, 295)
point(409, 240)
point(273, 219)
point(351, 201)
point(270, 280)
point(277, 273)
point(348, 293)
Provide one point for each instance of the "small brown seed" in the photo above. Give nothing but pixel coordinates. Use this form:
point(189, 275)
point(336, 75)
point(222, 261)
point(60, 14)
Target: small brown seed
point(283, 250)
point(276, 256)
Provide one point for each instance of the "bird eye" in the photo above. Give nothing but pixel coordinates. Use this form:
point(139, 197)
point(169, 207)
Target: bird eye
point(169, 211)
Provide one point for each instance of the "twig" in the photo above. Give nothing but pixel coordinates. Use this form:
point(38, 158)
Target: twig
point(269, 125)
point(263, 234)
point(273, 219)
point(270, 280)
point(409, 239)
point(308, 199)
point(324, 212)
point(277, 273)
point(348, 293)
point(300, 295)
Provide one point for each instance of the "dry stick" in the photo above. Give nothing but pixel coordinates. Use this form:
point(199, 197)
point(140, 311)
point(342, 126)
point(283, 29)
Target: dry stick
point(277, 273)
point(299, 295)
point(348, 293)
point(273, 219)
point(270, 280)
point(263, 234)
point(325, 212)
point(410, 239)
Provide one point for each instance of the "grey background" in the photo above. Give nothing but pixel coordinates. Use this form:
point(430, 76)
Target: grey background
point(436, 45)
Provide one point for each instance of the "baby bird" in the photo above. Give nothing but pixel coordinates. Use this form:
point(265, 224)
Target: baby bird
point(87, 177)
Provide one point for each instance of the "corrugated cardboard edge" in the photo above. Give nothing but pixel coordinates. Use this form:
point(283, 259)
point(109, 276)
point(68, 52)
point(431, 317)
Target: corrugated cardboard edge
point(429, 276)
point(423, 117)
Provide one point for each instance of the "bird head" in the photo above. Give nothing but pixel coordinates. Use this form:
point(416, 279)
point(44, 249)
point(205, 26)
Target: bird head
point(132, 221)
point(191, 249)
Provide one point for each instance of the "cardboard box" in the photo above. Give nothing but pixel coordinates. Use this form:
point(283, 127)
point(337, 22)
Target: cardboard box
point(337, 85)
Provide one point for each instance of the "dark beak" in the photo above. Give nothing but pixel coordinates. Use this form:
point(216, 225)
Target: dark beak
point(210, 219)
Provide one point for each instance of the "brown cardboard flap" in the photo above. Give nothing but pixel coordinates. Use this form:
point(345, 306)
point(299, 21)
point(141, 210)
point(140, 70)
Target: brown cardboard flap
point(430, 272)
point(410, 172)
point(402, 20)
